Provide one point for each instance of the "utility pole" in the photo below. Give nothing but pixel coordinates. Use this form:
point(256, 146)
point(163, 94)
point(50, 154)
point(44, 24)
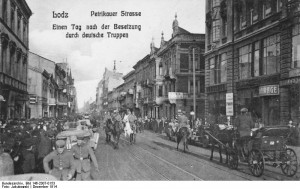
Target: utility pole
point(194, 85)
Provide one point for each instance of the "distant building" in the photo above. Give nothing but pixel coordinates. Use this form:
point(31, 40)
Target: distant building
point(109, 81)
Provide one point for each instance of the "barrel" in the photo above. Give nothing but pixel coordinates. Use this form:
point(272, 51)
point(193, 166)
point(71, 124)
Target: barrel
point(6, 164)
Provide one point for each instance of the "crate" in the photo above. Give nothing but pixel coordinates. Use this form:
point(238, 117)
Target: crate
point(269, 143)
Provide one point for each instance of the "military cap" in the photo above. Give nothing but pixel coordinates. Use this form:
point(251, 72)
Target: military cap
point(60, 143)
point(244, 110)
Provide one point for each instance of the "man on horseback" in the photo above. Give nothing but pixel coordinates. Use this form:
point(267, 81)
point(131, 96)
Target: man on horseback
point(182, 121)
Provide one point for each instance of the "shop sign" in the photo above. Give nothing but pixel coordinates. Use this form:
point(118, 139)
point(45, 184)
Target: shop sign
point(290, 81)
point(229, 104)
point(177, 95)
point(32, 100)
point(269, 90)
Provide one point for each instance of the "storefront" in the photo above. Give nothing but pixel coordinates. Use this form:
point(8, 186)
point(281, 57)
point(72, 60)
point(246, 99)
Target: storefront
point(290, 91)
point(262, 102)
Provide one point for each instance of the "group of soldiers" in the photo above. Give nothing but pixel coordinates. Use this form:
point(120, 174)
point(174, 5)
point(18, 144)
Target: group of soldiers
point(33, 148)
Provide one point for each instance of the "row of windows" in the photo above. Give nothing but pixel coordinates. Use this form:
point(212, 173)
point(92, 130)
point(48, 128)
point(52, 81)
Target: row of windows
point(13, 64)
point(15, 19)
point(186, 62)
point(218, 69)
point(260, 58)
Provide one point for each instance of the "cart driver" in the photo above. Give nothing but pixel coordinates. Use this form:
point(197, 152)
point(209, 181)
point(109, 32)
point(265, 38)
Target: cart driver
point(244, 123)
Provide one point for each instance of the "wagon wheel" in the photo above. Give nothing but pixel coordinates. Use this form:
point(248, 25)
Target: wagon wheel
point(289, 164)
point(233, 157)
point(256, 162)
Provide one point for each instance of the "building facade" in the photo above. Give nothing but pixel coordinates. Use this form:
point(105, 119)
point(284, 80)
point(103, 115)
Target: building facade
point(14, 20)
point(252, 52)
point(175, 61)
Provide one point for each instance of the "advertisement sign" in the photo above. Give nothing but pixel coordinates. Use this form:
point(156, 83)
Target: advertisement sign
point(229, 104)
point(269, 90)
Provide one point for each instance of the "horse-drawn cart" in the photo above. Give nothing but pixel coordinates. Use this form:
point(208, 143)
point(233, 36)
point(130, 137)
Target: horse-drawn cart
point(267, 146)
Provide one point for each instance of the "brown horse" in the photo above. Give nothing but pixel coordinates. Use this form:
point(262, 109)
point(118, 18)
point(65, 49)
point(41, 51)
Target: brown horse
point(113, 129)
point(182, 135)
point(222, 138)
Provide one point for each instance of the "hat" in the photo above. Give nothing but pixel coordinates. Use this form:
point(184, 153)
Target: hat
point(60, 143)
point(244, 110)
point(28, 142)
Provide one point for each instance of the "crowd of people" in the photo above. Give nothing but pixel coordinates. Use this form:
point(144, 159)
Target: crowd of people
point(34, 148)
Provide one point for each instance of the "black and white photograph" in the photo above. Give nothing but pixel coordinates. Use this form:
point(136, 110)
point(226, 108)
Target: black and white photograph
point(149, 90)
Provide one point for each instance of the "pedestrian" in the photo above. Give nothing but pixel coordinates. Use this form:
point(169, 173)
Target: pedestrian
point(132, 121)
point(28, 163)
point(82, 153)
point(63, 162)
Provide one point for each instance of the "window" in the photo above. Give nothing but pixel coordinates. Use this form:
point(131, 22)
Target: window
point(19, 25)
point(296, 47)
point(4, 10)
point(12, 17)
point(223, 67)
point(257, 69)
point(191, 91)
point(202, 84)
point(271, 55)
point(279, 5)
point(25, 32)
point(3, 58)
point(197, 63)
point(216, 30)
point(224, 28)
point(245, 62)
point(160, 69)
point(212, 71)
point(184, 62)
point(160, 91)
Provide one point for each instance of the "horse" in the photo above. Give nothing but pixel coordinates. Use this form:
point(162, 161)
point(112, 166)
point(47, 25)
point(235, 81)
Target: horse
point(224, 136)
point(115, 129)
point(182, 135)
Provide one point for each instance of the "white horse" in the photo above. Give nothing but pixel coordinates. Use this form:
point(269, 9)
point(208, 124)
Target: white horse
point(127, 129)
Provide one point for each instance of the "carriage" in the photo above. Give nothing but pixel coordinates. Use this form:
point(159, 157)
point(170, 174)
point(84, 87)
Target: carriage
point(267, 146)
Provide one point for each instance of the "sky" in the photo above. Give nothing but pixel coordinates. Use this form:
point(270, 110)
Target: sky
point(89, 57)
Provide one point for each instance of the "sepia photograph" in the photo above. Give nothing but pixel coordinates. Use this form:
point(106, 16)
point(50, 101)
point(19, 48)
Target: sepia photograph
point(149, 90)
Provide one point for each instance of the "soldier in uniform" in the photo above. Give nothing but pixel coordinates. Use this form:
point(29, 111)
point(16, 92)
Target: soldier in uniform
point(63, 162)
point(182, 121)
point(82, 153)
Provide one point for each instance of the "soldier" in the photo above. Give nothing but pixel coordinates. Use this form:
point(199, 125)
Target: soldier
point(117, 117)
point(82, 153)
point(63, 162)
point(182, 121)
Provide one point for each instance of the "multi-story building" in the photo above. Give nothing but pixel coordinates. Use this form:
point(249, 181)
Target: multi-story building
point(174, 73)
point(41, 92)
point(128, 92)
point(252, 52)
point(70, 89)
point(109, 81)
point(14, 20)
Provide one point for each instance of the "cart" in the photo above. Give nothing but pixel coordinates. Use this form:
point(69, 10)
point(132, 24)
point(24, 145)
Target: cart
point(268, 148)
